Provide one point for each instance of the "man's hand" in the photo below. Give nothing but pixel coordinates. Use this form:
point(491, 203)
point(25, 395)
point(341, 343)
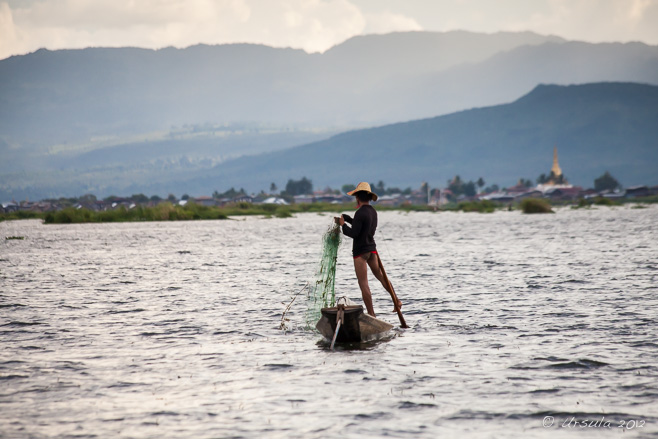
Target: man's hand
point(339, 220)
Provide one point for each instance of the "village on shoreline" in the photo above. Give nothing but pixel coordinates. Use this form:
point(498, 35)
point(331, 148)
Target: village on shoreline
point(299, 196)
point(423, 198)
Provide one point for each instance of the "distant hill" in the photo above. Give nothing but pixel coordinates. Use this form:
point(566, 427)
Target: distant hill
point(365, 59)
point(507, 75)
point(136, 164)
point(596, 128)
point(69, 96)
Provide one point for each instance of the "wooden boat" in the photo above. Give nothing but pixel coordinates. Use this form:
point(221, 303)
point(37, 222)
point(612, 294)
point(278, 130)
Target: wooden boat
point(349, 324)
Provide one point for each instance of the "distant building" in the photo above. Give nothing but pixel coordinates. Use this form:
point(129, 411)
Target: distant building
point(556, 171)
point(439, 197)
point(556, 179)
point(565, 193)
point(392, 200)
point(10, 207)
point(205, 201)
point(331, 198)
point(517, 189)
point(531, 193)
point(304, 198)
point(244, 198)
point(499, 197)
point(614, 194)
point(117, 202)
point(275, 200)
point(638, 191)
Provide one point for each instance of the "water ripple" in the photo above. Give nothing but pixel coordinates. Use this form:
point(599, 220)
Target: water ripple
point(171, 329)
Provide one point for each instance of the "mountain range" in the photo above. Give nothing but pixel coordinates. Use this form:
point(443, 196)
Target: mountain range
point(51, 97)
point(119, 120)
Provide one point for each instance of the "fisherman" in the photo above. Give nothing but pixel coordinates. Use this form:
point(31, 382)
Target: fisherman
point(364, 249)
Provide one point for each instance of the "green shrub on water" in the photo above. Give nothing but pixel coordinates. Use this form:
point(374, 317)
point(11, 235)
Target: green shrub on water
point(27, 214)
point(603, 201)
point(242, 208)
point(482, 206)
point(161, 212)
point(66, 216)
point(269, 208)
point(113, 216)
point(582, 204)
point(282, 212)
point(20, 214)
point(198, 211)
point(535, 205)
point(191, 211)
point(450, 207)
point(327, 207)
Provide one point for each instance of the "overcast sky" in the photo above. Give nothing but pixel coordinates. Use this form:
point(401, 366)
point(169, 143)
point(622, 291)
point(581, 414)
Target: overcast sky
point(313, 25)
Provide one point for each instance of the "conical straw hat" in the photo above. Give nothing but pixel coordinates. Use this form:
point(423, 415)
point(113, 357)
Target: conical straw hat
point(363, 186)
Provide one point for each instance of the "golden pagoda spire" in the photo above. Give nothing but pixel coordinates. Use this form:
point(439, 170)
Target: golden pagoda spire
point(556, 166)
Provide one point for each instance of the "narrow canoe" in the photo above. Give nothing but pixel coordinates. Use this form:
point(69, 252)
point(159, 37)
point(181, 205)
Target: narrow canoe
point(357, 326)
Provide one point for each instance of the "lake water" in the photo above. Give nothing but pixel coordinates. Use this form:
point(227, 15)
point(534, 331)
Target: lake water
point(152, 330)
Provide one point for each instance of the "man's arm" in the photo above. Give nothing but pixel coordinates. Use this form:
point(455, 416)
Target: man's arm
point(357, 224)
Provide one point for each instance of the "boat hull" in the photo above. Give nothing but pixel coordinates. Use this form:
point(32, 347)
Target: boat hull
point(357, 326)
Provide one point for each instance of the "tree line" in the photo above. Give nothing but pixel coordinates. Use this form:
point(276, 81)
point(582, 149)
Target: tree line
point(304, 186)
point(456, 185)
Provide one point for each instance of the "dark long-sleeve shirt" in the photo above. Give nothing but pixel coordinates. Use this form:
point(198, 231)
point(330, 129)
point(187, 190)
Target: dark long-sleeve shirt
point(363, 230)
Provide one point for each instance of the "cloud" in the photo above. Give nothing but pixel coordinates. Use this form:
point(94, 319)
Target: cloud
point(8, 37)
point(387, 21)
point(314, 25)
point(587, 20)
point(58, 24)
point(126, 14)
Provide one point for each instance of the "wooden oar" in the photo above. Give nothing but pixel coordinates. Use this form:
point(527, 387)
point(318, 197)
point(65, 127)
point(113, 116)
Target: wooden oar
point(340, 315)
point(391, 291)
point(333, 340)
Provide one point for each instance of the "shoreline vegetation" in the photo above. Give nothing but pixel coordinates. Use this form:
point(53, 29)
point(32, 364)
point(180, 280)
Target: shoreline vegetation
point(192, 211)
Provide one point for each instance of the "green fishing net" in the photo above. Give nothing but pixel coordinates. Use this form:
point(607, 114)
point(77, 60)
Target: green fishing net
point(321, 292)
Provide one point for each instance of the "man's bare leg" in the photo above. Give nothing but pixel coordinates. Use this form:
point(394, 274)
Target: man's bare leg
point(361, 268)
point(373, 262)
